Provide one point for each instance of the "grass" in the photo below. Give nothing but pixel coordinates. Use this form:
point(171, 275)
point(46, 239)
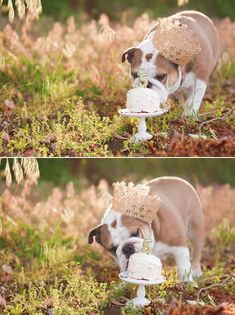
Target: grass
point(47, 273)
point(60, 93)
point(48, 267)
point(63, 126)
point(54, 276)
point(50, 272)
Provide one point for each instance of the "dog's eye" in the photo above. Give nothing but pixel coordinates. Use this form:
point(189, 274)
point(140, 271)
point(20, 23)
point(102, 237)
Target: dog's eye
point(113, 249)
point(134, 75)
point(161, 77)
point(135, 234)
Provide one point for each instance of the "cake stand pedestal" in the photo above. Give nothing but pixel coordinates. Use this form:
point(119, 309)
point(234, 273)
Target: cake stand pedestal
point(142, 134)
point(140, 299)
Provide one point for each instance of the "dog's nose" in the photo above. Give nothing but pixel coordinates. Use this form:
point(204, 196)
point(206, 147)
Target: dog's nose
point(149, 85)
point(128, 250)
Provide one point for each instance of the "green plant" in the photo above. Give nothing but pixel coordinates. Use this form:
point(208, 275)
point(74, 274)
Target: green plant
point(224, 235)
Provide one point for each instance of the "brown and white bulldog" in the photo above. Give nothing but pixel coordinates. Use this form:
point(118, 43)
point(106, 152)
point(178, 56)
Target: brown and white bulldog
point(179, 219)
point(167, 77)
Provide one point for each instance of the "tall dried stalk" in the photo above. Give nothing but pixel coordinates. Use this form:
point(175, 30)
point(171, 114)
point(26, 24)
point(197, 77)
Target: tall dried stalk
point(182, 2)
point(22, 169)
point(34, 7)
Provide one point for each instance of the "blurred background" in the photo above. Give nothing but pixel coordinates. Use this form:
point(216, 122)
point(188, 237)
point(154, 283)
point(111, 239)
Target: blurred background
point(204, 171)
point(131, 8)
point(83, 186)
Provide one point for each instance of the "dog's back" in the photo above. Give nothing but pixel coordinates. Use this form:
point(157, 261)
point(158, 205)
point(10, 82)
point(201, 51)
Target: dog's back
point(205, 63)
point(180, 193)
point(181, 216)
point(209, 38)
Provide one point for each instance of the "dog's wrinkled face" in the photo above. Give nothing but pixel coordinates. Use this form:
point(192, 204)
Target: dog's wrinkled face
point(120, 235)
point(162, 75)
point(124, 251)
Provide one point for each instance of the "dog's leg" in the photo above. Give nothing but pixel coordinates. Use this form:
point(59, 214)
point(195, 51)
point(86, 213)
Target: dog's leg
point(182, 258)
point(196, 234)
point(197, 238)
point(195, 98)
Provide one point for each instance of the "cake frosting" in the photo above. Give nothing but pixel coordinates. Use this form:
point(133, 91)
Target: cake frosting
point(144, 267)
point(143, 100)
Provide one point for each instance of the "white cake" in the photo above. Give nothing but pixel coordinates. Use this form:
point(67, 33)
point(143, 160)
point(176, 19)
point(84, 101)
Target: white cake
point(143, 100)
point(144, 267)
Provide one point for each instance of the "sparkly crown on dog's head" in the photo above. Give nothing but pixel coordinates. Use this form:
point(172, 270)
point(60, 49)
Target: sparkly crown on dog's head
point(135, 201)
point(176, 41)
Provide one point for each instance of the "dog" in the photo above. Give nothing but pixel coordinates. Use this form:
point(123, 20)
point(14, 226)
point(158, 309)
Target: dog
point(179, 219)
point(167, 77)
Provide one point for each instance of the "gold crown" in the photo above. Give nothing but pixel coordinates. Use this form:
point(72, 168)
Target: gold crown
point(176, 41)
point(135, 201)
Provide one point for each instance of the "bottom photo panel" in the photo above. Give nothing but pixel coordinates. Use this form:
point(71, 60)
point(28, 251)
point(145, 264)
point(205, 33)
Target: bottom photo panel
point(117, 236)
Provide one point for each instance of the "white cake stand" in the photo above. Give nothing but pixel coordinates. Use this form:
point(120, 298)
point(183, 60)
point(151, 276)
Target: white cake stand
point(142, 134)
point(140, 300)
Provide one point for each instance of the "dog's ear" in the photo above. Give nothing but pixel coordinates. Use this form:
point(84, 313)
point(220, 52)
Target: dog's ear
point(95, 233)
point(128, 54)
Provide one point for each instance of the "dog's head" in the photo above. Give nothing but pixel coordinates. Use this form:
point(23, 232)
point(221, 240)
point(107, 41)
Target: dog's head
point(162, 75)
point(120, 235)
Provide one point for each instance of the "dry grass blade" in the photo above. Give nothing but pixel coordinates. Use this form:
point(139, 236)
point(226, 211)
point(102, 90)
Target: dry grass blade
point(31, 168)
point(18, 171)
point(27, 166)
point(31, 6)
point(7, 173)
point(11, 12)
point(20, 8)
point(182, 2)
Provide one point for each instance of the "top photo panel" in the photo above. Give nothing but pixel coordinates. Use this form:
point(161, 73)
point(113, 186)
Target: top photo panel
point(128, 78)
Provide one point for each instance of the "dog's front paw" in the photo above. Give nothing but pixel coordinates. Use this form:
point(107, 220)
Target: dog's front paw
point(187, 114)
point(197, 272)
point(190, 112)
point(185, 276)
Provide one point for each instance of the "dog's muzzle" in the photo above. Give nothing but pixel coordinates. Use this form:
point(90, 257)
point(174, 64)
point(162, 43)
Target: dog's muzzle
point(126, 249)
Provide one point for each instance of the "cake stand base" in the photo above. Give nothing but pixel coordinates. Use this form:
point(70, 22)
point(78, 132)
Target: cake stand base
point(140, 299)
point(142, 134)
point(138, 302)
